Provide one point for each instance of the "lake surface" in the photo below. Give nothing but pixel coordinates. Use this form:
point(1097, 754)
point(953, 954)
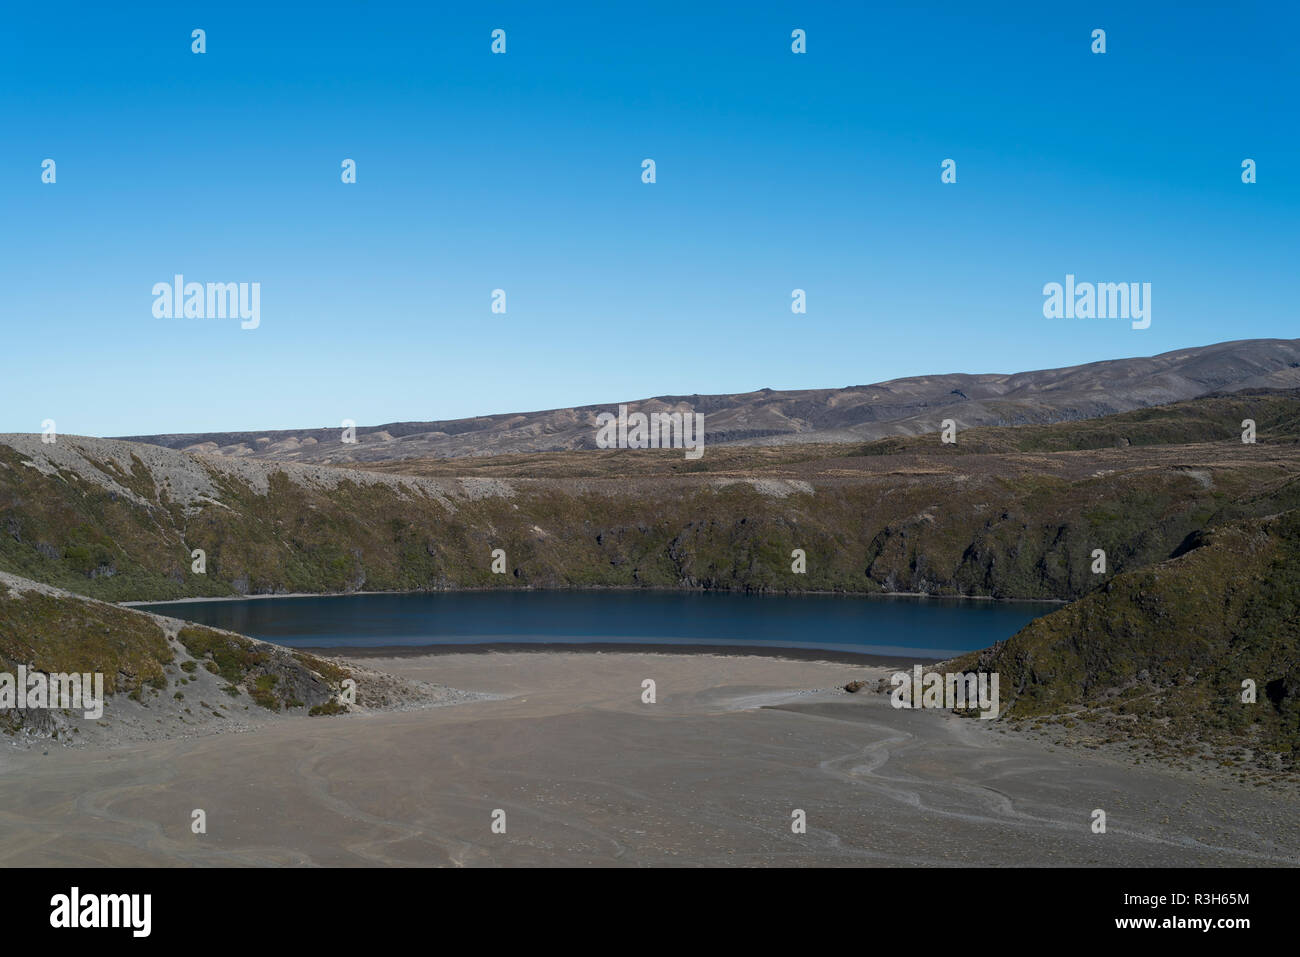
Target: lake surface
point(894, 626)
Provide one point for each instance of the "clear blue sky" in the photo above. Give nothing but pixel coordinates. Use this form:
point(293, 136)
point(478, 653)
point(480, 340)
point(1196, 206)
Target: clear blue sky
point(523, 171)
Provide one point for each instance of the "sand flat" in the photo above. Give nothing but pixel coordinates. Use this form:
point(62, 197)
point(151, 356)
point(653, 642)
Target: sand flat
point(587, 774)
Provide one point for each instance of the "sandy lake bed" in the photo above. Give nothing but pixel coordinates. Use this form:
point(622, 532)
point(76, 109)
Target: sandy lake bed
point(586, 773)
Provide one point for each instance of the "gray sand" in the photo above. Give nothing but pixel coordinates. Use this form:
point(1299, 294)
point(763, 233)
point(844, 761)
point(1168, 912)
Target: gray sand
point(588, 774)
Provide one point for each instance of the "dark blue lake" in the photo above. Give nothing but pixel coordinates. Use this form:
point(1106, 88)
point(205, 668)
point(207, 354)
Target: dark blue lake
point(892, 626)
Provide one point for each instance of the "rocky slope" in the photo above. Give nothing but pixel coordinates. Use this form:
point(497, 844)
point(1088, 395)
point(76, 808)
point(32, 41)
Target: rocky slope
point(1167, 652)
point(164, 677)
point(121, 521)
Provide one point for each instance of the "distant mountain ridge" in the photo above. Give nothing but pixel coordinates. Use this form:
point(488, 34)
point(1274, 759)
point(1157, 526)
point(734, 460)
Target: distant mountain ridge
point(908, 406)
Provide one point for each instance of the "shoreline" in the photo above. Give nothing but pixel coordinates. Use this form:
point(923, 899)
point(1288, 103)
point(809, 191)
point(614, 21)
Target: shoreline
point(601, 588)
point(779, 653)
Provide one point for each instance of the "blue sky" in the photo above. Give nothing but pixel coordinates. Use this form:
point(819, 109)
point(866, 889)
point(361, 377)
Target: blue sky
point(523, 172)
